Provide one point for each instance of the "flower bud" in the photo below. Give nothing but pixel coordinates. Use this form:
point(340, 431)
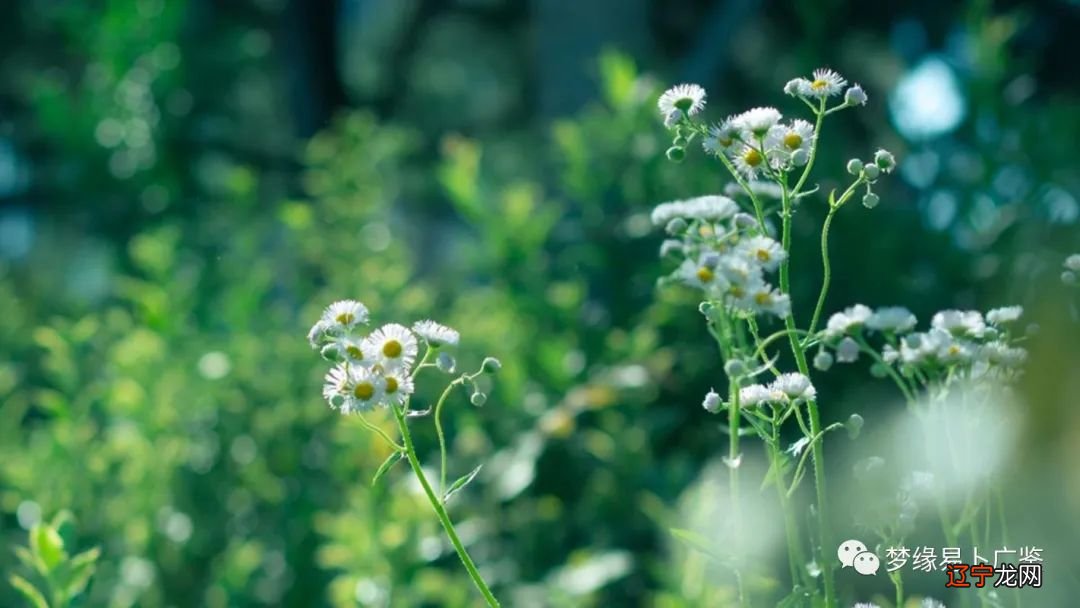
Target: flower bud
point(491, 365)
point(885, 160)
point(823, 360)
point(705, 308)
point(332, 353)
point(847, 351)
point(871, 200)
point(734, 368)
point(800, 157)
point(445, 362)
point(673, 118)
point(854, 166)
point(745, 220)
point(676, 154)
point(854, 425)
point(871, 172)
point(1068, 277)
point(712, 402)
point(710, 260)
point(792, 87)
point(478, 399)
point(855, 96)
point(670, 246)
point(879, 370)
point(676, 226)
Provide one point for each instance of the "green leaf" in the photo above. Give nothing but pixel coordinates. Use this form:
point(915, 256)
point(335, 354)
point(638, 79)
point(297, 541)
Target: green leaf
point(82, 567)
point(461, 483)
point(28, 591)
point(26, 557)
point(390, 461)
point(47, 545)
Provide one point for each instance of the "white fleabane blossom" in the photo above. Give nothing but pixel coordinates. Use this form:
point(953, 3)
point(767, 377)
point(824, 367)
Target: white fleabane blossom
point(1072, 263)
point(687, 98)
point(794, 386)
point(866, 605)
point(710, 208)
point(756, 394)
point(763, 250)
point(356, 351)
point(394, 346)
point(397, 386)
point(960, 322)
point(697, 273)
point(760, 188)
point(825, 83)
point(1003, 355)
point(763, 298)
point(722, 138)
point(435, 334)
point(353, 389)
point(344, 315)
point(1005, 314)
point(930, 602)
point(792, 142)
point(754, 124)
point(843, 322)
point(893, 319)
point(749, 161)
point(795, 86)
point(318, 332)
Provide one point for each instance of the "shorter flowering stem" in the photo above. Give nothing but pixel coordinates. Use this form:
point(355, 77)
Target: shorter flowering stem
point(442, 436)
point(440, 510)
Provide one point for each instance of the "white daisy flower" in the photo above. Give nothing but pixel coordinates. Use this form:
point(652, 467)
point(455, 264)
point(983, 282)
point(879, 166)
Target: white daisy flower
point(344, 315)
point(786, 140)
point(710, 208)
point(843, 322)
point(394, 346)
point(866, 605)
point(847, 351)
point(1001, 354)
point(756, 122)
point(687, 98)
point(698, 273)
point(895, 319)
point(756, 394)
point(1005, 314)
point(397, 387)
point(356, 351)
point(960, 322)
point(436, 334)
point(352, 389)
point(760, 188)
point(763, 250)
point(796, 86)
point(948, 349)
point(741, 276)
point(1073, 262)
point(760, 297)
point(749, 161)
point(795, 386)
point(825, 83)
point(712, 402)
point(930, 602)
point(665, 212)
point(722, 138)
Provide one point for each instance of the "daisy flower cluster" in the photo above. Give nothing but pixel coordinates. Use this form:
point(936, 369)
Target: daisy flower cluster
point(375, 369)
point(1072, 268)
point(958, 342)
point(723, 254)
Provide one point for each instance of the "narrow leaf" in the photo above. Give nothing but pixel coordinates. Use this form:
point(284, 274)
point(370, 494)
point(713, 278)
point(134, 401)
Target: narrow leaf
point(83, 567)
point(390, 461)
point(461, 483)
point(32, 595)
point(47, 545)
point(25, 557)
point(695, 541)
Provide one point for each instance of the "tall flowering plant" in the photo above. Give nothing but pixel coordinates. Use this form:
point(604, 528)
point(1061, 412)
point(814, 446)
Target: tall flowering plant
point(380, 370)
point(734, 250)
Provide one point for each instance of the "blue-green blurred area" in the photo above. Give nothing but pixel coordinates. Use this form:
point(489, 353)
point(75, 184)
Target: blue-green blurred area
point(185, 183)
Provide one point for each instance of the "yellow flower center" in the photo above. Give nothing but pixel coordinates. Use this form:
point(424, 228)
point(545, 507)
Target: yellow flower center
point(725, 141)
point(792, 141)
point(364, 390)
point(954, 350)
point(737, 291)
point(705, 274)
point(345, 318)
point(819, 84)
point(391, 385)
point(752, 157)
point(705, 231)
point(763, 255)
point(354, 352)
point(762, 298)
point(392, 349)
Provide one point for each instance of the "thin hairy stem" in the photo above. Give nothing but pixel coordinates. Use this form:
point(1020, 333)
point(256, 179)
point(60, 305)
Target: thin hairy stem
point(440, 510)
point(381, 433)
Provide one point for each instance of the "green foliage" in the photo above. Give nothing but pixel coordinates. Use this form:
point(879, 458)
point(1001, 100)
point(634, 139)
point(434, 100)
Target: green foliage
point(63, 577)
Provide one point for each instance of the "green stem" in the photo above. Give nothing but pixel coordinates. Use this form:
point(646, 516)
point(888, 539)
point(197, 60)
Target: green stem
point(440, 511)
point(827, 274)
point(824, 535)
point(381, 433)
point(898, 582)
point(734, 423)
point(796, 559)
point(442, 436)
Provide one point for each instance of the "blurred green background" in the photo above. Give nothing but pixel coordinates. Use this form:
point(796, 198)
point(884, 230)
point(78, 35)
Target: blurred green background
point(185, 183)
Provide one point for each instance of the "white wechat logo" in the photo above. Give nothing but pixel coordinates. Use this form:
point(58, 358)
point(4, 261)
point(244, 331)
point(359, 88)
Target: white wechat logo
point(853, 553)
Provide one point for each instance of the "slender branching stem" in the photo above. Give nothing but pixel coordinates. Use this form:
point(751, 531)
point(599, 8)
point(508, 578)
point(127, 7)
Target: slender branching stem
point(440, 510)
